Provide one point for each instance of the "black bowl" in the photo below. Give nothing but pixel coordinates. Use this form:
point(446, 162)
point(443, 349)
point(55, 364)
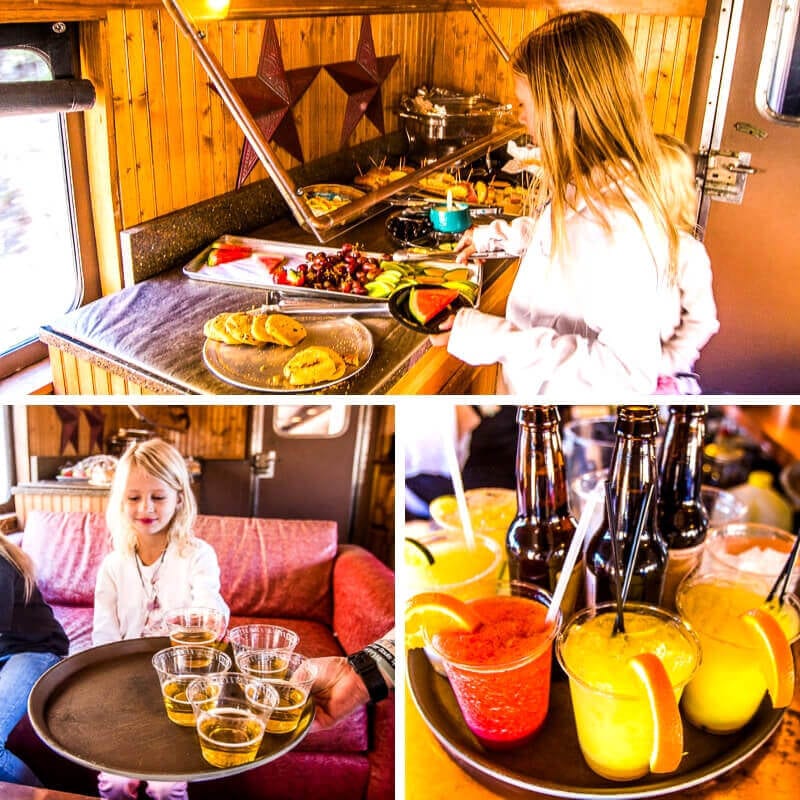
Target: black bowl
point(398, 308)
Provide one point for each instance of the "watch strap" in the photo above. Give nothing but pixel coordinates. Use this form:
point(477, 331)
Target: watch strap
point(364, 664)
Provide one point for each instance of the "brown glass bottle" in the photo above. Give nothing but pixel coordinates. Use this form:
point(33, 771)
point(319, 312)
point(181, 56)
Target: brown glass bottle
point(682, 517)
point(539, 536)
point(632, 471)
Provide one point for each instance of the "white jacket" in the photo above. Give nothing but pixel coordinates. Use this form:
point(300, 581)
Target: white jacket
point(590, 320)
point(690, 312)
point(120, 600)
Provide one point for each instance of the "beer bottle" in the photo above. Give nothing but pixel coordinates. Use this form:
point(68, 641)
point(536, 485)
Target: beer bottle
point(632, 474)
point(540, 534)
point(682, 517)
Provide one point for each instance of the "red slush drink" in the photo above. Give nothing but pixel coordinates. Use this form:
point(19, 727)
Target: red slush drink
point(500, 673)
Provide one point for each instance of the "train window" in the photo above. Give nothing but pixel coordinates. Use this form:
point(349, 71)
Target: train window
point(41, 276)
point(318, 422)
point(778, 86)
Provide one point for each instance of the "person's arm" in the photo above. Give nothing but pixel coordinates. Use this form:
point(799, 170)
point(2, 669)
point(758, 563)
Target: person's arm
point(344, 684)
point(106, 625)
point(600, 331)
point(205, 580)
point(698, 315)
point(512, 237)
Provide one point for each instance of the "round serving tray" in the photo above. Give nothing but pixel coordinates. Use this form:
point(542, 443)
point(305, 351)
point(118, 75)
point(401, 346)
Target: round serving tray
point(102, 708)
point(261, 368)
point(552, 763)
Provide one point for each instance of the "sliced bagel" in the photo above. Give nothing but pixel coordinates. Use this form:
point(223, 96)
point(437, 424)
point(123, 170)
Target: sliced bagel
point(313, 365)
point(285, 330)
point(214, 328)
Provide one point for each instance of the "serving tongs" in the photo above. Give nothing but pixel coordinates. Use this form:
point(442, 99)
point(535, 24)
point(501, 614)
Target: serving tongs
point(276, 302)
point(416, 253)
point(419, 201)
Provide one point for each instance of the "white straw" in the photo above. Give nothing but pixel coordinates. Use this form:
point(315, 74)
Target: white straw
point(458, 484)
point(572, 553)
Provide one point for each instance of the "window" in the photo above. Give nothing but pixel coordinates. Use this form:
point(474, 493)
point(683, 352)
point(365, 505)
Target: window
point(778, 87)
point(40, 275)
point(316, 422)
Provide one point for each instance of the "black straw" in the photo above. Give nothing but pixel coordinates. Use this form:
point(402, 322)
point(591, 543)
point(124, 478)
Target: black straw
point(785, 573)
point(637, 535)
point(619, 623)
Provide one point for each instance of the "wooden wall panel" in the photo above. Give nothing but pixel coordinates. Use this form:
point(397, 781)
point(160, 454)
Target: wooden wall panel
point(665, 50)
point(163, 140)
point(213, 432)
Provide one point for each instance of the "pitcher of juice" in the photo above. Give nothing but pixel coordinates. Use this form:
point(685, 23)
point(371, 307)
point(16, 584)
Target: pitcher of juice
point(623, 732)
point(738, 668)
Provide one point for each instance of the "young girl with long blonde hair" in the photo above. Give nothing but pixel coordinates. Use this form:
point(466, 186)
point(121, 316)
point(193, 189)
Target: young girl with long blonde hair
point(31, 641)
point(584, 311)
point(156, 564)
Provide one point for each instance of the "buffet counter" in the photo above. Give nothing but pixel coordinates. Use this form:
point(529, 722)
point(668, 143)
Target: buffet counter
point(148, 338)
point(55, 495)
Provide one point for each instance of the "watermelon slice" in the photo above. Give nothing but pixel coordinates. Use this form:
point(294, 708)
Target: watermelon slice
point(424, 304)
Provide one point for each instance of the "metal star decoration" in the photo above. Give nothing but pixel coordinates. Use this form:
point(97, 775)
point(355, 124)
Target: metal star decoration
point(270, 95)
point(362, 80)
point(96, 418)
point(68, 416)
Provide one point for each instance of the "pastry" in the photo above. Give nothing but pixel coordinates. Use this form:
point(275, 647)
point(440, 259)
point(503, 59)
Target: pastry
point(314, 365)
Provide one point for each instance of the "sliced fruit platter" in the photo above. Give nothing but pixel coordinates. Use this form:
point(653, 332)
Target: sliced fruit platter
point(344, 273)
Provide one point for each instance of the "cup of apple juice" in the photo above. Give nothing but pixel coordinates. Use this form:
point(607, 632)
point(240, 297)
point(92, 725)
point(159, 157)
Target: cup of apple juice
point(746, 644)
point(500, 670)
point(625, 687)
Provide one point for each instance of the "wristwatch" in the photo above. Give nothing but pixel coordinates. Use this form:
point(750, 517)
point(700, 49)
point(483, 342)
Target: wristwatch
point(365, 666)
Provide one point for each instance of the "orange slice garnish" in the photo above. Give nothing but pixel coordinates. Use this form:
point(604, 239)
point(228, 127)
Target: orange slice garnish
point(430, 613)
point(667, 727)
point(774, 654)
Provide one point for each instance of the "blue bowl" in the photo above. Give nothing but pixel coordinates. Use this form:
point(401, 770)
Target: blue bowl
point(450, 220)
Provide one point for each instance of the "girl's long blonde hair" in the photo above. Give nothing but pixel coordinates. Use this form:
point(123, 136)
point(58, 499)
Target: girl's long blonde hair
point(590, 123)
point(164, 462)
point(21, 561)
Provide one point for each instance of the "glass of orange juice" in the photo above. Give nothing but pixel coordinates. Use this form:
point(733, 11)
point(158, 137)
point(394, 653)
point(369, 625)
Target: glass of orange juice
point(733, 677)
point(491, 511)
point(617, 725)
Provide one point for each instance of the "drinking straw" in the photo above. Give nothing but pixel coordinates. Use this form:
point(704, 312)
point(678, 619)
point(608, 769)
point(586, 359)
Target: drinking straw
point(619, 624)
point(637, 535)
point(785, 573)
point(572, 555)
point(458, 485)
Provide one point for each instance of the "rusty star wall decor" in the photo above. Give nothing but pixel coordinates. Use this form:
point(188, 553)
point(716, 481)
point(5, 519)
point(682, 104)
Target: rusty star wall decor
point(362, 80)
point(270, 95)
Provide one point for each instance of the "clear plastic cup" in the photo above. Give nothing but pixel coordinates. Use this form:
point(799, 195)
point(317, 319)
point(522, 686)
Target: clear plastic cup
point(613, 713)
point(196, 626)
point(231, 714)
point(750, 551)
point(177, 667)
point(244, 638)
point(293, 690)
point(502, 682)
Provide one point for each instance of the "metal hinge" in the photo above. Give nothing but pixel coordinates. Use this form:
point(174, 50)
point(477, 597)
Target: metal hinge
point(264, 464)
point(725, 175)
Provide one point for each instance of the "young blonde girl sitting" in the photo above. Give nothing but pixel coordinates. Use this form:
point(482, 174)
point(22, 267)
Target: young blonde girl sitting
point(156, 564)
point(690, 313)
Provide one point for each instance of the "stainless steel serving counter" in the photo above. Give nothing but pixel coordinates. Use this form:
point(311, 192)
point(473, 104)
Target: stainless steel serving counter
point(151, 334)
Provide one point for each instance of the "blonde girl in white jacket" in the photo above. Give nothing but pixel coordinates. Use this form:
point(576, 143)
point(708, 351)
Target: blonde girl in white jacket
point(156, 564)
point(584, 316)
